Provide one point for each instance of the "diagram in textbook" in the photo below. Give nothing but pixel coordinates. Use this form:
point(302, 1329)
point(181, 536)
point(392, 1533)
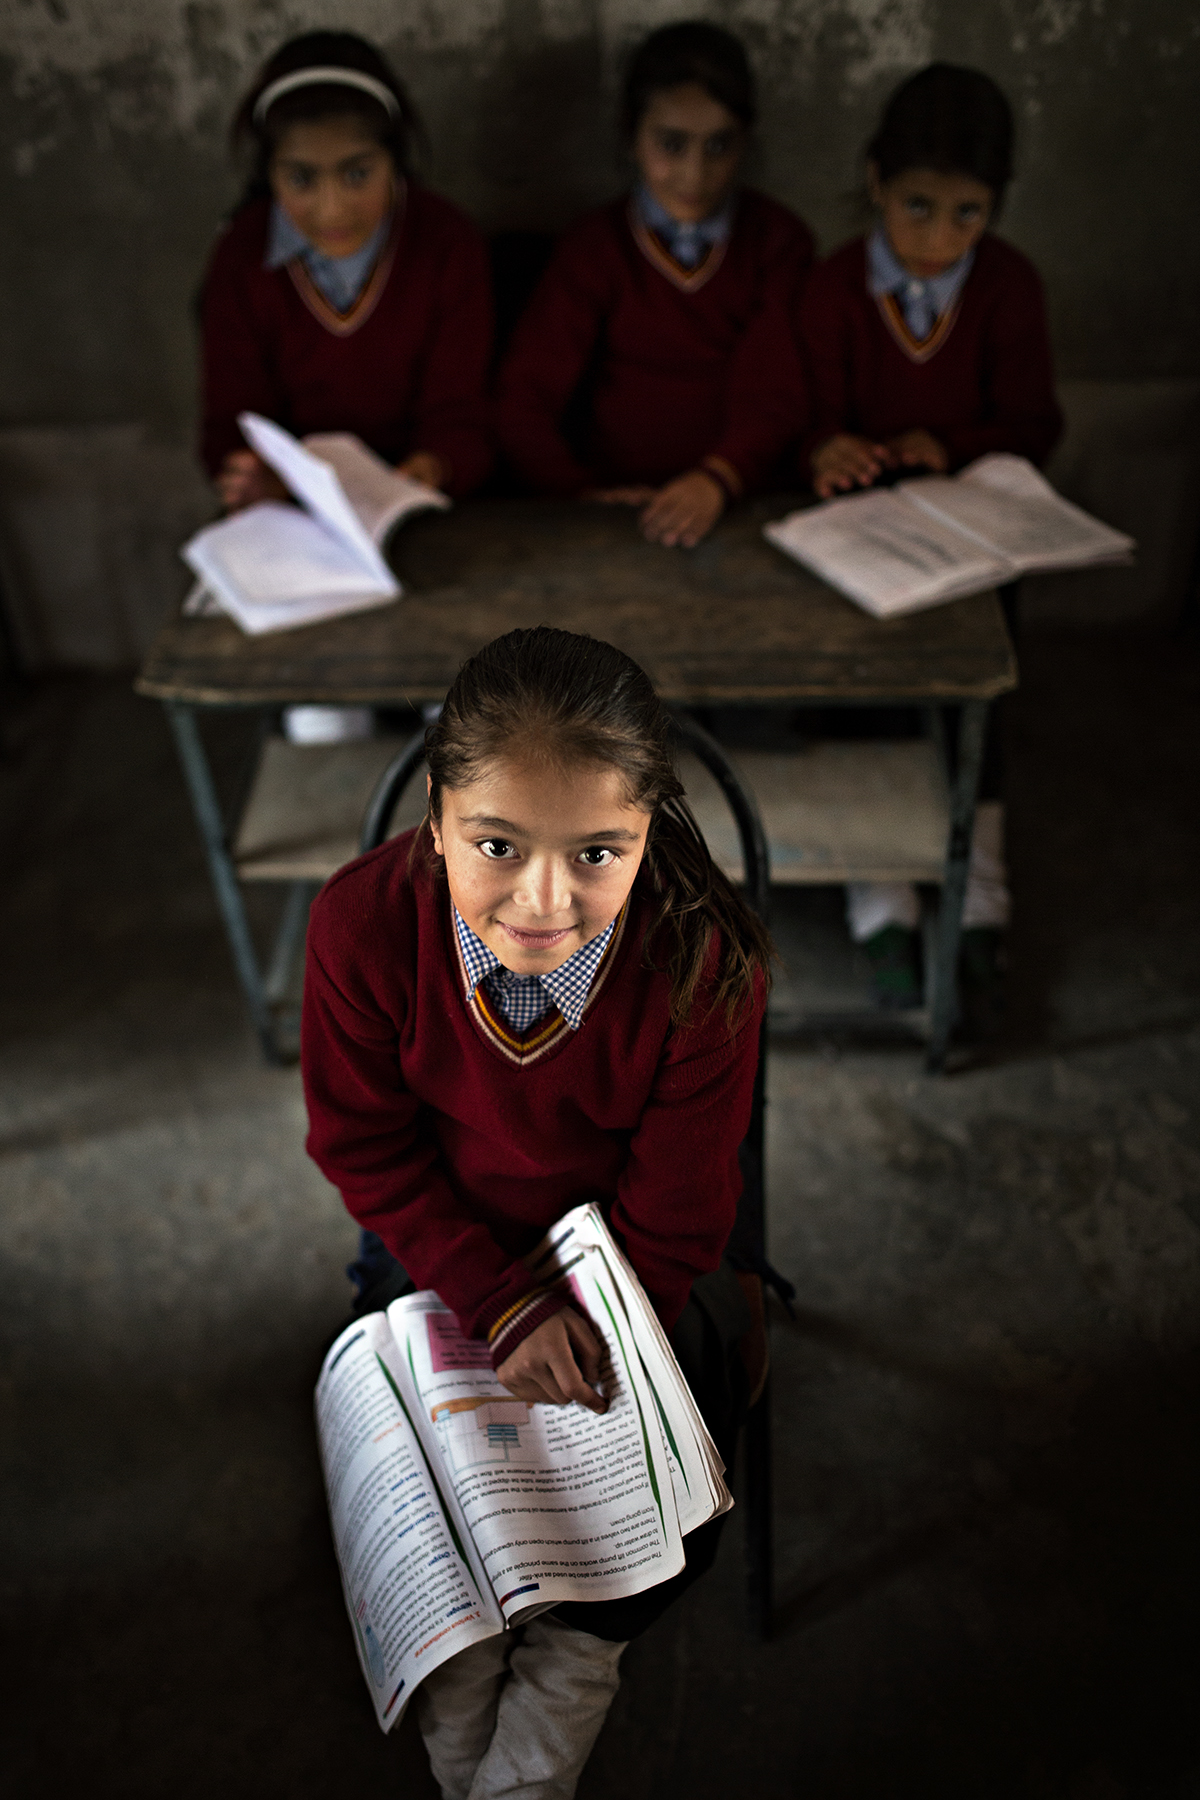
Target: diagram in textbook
point(479, 1431)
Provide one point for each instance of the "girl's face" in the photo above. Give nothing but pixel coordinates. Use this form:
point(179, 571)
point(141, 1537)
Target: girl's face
point(688, 149)
point(334, 181)
point(931, 219)
point(540, 860)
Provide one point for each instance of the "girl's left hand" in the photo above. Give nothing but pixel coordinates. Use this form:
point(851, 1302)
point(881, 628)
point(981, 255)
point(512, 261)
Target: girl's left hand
point(557, 1363)
point(684, 511)
point(424, 466)
point(919, 449)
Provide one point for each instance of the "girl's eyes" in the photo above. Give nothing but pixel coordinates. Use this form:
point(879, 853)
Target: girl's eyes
point(596, 856)
point(719, 145)
point(356, 176)
point(969, 212)
point(673, 142)
point(920, 209)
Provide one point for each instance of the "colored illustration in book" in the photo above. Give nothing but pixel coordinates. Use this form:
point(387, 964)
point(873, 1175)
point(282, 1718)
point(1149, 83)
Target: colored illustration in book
point(481, 1431)
point(449, 1349)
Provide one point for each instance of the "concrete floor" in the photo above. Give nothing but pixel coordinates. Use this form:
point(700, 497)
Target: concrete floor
point(988, 1478)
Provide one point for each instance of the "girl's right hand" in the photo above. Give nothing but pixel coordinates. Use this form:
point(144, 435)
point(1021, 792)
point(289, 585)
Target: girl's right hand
point(244, 479)
point(846, 461)
point(557, 1363)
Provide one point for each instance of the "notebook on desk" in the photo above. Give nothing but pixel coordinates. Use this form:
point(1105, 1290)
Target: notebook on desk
point(940, 537)
point(274, 566)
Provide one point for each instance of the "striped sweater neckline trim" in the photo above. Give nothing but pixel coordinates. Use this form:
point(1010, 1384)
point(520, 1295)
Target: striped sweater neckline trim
point(546, 1032)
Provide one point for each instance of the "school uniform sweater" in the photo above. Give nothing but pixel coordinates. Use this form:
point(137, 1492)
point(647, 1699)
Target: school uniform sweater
point(404, 369)
point(628, 367)
point(982, 380)
point(460, 1143)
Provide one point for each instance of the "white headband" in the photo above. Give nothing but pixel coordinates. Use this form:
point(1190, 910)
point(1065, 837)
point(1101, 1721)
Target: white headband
point(311, 77)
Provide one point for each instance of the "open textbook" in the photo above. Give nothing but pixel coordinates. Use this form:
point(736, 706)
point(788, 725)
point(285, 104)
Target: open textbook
point(274, 566)
point(938, 537)
point(458, 1510)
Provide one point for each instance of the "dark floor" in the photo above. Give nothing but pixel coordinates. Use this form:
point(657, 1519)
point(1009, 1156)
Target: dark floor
point(988, 1479)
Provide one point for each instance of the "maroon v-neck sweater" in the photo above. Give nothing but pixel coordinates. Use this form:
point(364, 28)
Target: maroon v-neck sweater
point(404, 370)
point(625, 369)
point(460, 1158)
point(989, 385)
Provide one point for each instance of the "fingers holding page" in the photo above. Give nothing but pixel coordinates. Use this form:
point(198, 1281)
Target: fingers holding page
point(556, 1364)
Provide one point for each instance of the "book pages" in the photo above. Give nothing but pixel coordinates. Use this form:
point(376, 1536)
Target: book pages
point(412, 1583)
point(272, 567)
point(562, 1503)
point(885, 553)
point(379, 496)
point(696, 1469)
point(1004, 504)
point(316, 486)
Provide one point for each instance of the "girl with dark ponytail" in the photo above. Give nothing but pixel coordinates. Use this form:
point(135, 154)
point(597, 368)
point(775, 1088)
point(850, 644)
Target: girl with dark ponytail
point(547, 994)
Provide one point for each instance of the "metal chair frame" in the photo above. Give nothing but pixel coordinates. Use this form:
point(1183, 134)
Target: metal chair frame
point(756, 1444)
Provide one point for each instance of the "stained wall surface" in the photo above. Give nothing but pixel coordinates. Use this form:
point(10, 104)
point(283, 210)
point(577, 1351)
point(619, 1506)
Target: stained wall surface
point(116, 175)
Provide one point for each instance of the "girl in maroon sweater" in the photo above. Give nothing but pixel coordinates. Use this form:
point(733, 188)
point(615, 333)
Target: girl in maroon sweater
point(926, 345)
point(342, 296)
point(547, 995)
point(654, 365)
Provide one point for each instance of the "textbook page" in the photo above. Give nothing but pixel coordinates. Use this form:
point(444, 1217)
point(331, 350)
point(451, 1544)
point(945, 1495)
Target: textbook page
point(562, 1503)
point(1005, 505)
point(317, 487)
point(886, 553)
point(379, 495)
point(273, 567)
point(697, 1470)
point(414, 1589)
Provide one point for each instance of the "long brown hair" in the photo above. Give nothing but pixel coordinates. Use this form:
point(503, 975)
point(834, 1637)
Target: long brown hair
point(578, 700)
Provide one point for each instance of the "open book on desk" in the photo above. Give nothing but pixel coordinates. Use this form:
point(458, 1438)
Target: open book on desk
point(939, 537)
point(275, 566)
point(458, 1510)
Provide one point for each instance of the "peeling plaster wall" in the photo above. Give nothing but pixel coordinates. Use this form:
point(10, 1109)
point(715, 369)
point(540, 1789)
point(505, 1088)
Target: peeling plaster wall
point(116, 173)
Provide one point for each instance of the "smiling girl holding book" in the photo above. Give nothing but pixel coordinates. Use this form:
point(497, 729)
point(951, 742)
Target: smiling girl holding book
point(547, 995)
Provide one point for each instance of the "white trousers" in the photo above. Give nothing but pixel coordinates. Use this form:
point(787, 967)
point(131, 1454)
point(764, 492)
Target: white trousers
point(872, 905)
point(515, 1718)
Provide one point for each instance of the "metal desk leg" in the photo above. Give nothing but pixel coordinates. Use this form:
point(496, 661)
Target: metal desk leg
point(971, 732)
point(207, 808)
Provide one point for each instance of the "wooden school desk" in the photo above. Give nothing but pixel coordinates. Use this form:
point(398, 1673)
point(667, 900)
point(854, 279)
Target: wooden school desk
point(731, 622)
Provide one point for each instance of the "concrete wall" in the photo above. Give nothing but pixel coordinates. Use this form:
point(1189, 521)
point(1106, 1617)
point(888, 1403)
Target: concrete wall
point(116, 174)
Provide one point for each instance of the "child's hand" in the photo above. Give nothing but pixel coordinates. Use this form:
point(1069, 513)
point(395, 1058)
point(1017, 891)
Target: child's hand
point(846, 461)
point(684, 511)
point(244, 479)
point(424, 466)
point(546, 1366)
point(919, 449)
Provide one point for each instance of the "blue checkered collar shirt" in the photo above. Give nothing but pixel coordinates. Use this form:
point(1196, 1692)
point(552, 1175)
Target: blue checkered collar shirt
point(524, 998)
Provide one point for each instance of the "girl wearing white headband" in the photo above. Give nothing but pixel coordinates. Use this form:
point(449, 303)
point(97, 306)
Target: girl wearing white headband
point(342, 295)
